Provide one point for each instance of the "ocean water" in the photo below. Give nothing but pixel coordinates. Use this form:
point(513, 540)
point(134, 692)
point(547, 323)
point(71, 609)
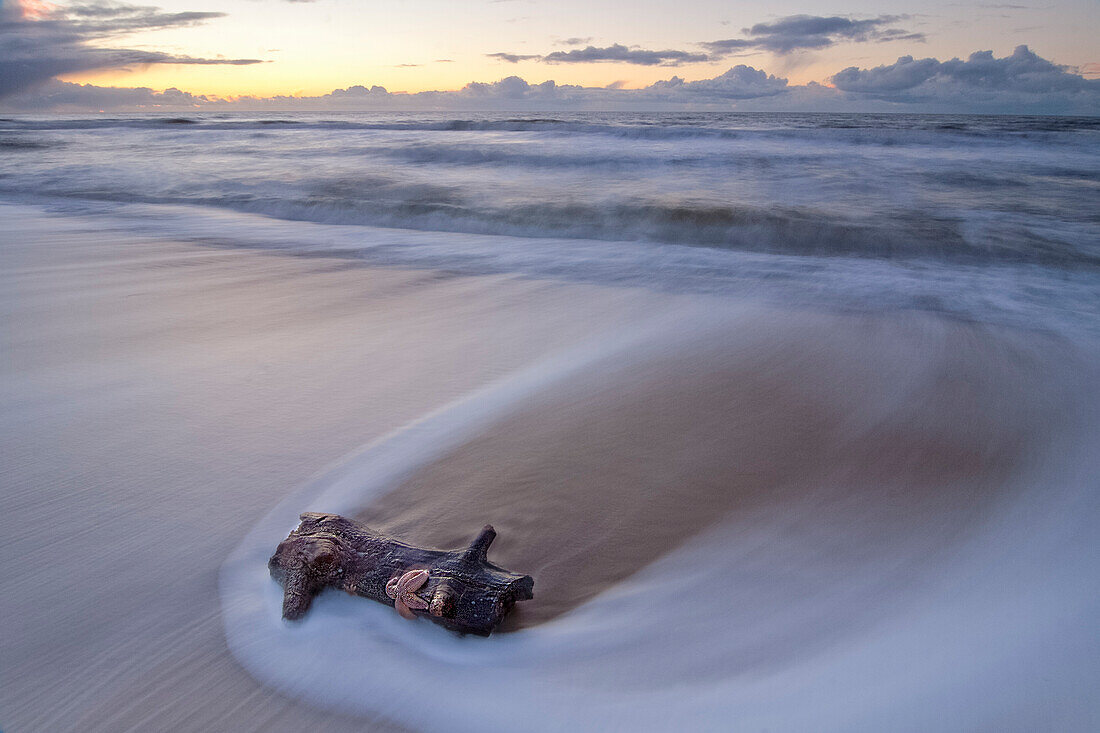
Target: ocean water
point(977, 216)
point(892, 319)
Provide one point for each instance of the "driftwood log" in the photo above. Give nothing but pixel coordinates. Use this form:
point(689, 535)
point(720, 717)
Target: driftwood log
point(463, 591)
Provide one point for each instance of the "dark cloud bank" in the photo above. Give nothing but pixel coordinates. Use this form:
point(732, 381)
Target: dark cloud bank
point(1022, 83)
point(813, 33)
point(785, 36)
point(58, 41)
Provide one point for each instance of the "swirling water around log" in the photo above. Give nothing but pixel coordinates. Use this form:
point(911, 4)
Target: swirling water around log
point(896, 533)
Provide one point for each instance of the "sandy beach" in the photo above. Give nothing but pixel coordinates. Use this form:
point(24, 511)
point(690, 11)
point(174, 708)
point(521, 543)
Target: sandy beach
point(736, 503)
point(157, 398)
point(760, 421)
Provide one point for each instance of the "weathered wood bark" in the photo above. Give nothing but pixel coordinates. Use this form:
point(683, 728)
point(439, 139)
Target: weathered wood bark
point(465, 592)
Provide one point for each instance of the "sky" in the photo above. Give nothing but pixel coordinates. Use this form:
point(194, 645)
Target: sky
point(781, 54)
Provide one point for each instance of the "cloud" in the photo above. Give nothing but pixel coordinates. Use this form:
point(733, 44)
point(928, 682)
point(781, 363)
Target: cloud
point(357, 91)
point(512, 92)
point(575, 41)
point(514, 58)
point(616, 53)
point(905, 73)
point(1024, 78)
point(622, 54)
point(512, 87)
point(39, 41)
point(784, 36)
point(740, 82)
point(813, 32)
point(1022, 83)
point(59, 96)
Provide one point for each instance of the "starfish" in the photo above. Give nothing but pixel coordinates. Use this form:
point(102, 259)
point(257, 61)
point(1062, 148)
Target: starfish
point(401, 590)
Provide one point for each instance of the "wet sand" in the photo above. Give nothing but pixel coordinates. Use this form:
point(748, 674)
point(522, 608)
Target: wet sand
point(764, 421)
point(157, 398)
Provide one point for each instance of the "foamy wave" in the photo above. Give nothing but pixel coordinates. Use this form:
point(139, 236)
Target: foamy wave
point(794, 231)
point(625, 125)
point(967, 215)
point(892, 187)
